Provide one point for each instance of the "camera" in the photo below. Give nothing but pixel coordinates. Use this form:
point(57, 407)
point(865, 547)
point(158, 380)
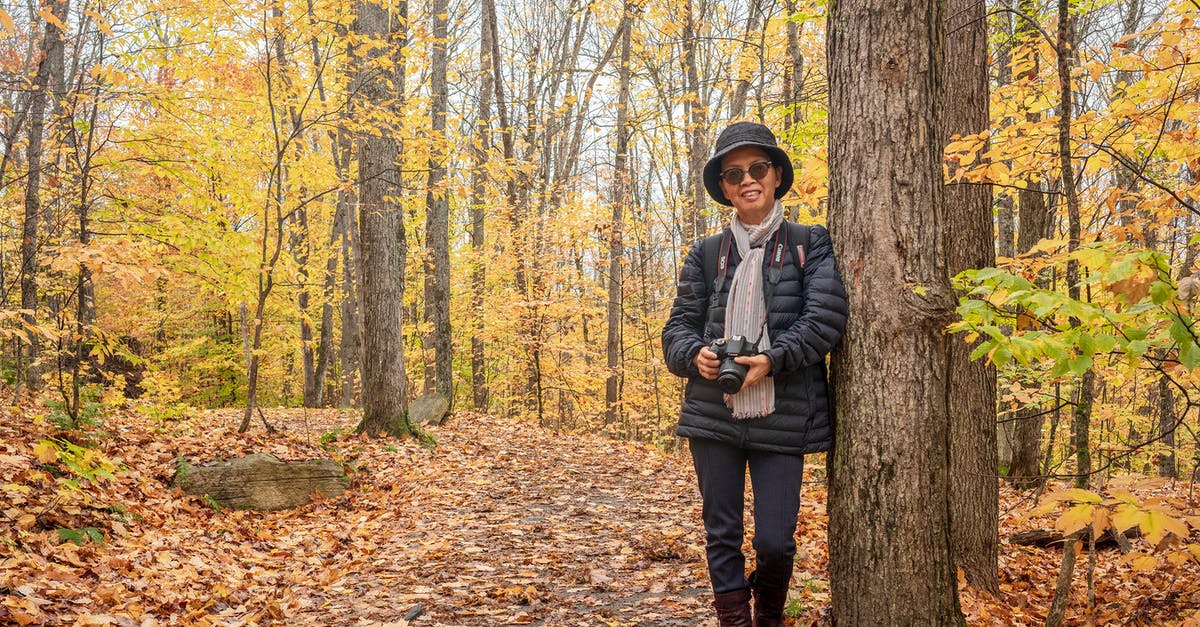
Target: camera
point(731, 374)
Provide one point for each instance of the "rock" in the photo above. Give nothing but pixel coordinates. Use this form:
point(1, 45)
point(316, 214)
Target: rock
point(429, 408)
point(262, 482)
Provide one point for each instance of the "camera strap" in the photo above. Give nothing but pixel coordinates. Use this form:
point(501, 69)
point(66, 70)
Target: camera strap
point(714, 294)
point(774, 273)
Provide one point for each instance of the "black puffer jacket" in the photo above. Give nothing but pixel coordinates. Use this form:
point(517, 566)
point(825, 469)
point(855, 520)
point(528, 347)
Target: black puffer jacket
point(806, 318)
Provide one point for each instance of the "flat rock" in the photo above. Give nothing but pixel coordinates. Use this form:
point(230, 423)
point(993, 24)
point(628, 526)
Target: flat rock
point(262, 482)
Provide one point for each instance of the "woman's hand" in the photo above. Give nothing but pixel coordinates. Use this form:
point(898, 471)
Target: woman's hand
point(707, 363)
point(759, 366)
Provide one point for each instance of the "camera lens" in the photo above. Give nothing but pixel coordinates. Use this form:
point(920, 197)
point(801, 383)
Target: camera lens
point(731, 375)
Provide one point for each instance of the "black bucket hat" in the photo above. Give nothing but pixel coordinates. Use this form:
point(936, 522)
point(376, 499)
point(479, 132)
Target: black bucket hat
point(739, 135)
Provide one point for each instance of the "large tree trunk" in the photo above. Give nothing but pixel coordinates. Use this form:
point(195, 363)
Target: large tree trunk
point(616, 245)
point(381, 223)
point(437, 218)
point(889, 503)
point(974, 510)
point(51, 60)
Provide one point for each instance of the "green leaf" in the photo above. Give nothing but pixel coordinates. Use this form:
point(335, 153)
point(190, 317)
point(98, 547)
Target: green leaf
point(1054, 349)
point(1189, 355)
point(1087, 344)
point(1180, 333)
point(1105, 343)
point(1079, 365)
point(1001, 356)
point(1160, 292)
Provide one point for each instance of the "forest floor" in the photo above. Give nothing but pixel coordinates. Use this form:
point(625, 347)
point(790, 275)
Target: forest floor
point(500, 523)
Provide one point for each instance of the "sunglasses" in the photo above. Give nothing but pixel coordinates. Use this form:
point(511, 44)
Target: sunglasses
point(758, 171)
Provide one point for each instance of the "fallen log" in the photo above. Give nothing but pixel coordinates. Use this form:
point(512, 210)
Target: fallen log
point(1048, 537)
point(262, 482)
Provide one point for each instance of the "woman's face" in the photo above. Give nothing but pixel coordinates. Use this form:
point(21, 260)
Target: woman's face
point(752, 198)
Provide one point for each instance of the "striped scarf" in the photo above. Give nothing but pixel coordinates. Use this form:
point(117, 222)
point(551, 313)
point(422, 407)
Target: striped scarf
point(746, 310)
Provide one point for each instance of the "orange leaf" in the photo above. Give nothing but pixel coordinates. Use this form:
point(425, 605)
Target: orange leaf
point(45, 452)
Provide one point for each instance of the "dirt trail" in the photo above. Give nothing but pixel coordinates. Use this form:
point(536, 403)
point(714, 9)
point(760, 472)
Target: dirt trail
point(509, 524)
point(501, 523)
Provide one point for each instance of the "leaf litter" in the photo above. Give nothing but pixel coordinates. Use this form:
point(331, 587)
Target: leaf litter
point(501, 523)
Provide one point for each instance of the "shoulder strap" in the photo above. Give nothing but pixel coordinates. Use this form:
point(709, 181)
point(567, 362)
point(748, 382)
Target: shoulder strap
point(798, 234)
point(710, 250)
point(710, 255)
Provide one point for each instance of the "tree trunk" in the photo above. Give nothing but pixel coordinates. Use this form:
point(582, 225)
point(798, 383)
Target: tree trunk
point(276, 66)
point(695, 222)
point(1082, 414)
point(381, 222)
point(1035, 223)
point(889, 502)
point(616, 244)
point(479, 178)
point(350, 352)
point(741, 82)
point(51, 57)
point(343, 220)
point(1005, 227)
point(437, 217)
point(793, 77)
point(971, 391)
point(1166, 427)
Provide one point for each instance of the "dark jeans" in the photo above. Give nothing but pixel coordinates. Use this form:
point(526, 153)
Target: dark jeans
point(775, 477)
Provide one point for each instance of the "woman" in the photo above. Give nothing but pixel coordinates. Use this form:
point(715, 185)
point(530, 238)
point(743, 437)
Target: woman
point(781, 409)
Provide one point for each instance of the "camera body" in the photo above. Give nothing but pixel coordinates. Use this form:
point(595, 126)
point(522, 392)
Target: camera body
point(731, 375)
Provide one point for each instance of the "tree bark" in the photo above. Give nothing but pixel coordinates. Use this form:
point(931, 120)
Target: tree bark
point(350, 352)
point(437, 217)
point(695, 222)
point(1166, 426)
point(741, 82)
point(1005, 227)
point(51, 59)
point(1036, 223)
point(381, 222)
point(969, 244)
point(616, 244)
point(479, 178)
point(1082, 415)
point(793, 77)
point(889, 503)
point(340, 232)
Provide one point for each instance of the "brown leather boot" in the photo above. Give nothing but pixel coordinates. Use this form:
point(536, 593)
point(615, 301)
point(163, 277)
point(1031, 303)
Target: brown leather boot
point(769, 602)
point(733, 608)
